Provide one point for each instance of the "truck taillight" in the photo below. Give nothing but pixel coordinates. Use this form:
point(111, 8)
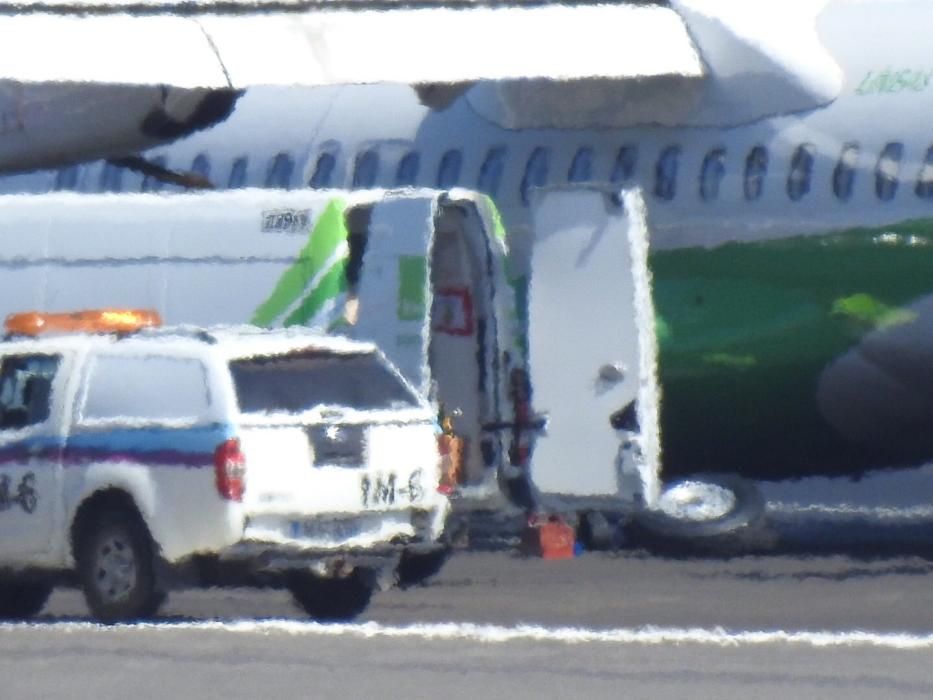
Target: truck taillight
point(450, 448)
point(443, 445)
point(230, 470)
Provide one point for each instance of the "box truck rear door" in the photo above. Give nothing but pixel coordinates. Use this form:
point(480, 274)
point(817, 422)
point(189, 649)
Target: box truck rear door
point(591, 340)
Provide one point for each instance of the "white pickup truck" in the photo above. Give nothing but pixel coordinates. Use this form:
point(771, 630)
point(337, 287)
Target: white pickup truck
point(138, 461)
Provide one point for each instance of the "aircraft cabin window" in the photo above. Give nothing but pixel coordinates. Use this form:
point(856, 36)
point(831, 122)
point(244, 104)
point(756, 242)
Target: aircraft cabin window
point(323, 171)
point(756, 167)
point(280, 171)
point(365, 169)
point(237, 177)
point(448, 172)
point(665, 174)
point(151, 183)
point(623, 168)
point(535, 172)
point(844, 172)
point(407, 173)
point(712, 173)
point(886, 172)
point(201, 165)
point(581, 168)
point(67, 178)
point(801, 172)
point(924, 187)
point(490, 172)
point(111, 178)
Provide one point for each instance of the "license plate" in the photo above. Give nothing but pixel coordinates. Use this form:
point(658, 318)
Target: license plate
point(335, 530)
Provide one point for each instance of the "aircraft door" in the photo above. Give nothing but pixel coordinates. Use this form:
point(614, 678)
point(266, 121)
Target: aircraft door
point(591, 342)
point(393, 291)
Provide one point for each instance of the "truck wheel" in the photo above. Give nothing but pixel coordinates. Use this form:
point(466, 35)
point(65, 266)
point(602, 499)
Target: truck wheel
point(20, 600)
point(417, 567)
point(116, 565)
point(331, 599)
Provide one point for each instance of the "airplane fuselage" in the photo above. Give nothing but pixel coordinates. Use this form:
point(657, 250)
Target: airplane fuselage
point(792, 254)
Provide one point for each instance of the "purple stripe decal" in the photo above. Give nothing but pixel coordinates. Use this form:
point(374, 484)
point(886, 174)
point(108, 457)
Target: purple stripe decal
point(78, 456)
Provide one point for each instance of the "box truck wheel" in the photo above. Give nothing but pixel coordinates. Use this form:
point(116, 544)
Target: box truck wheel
point(596, 533)
point(415, 568)
point(20, 600)
point(331, 599)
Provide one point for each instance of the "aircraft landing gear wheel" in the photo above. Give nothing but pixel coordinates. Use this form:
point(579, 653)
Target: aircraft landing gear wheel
point(20, 600)
point(709, 511)
point(331, 599)
point(116, 565)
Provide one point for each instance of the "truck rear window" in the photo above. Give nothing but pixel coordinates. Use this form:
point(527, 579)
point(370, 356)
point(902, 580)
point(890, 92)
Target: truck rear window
point(297, 382)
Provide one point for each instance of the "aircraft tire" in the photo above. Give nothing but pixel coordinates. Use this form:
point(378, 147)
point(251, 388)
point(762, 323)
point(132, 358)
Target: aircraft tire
point(732, 528)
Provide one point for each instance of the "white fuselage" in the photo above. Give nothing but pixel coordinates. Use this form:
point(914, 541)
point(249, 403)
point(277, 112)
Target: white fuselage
point(812, 118)
point(885, 97)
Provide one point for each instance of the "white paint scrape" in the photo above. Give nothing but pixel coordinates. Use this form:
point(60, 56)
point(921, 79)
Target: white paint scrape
point(495, 634)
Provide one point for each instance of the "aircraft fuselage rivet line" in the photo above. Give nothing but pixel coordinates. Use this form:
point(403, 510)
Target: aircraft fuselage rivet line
point(520, 633)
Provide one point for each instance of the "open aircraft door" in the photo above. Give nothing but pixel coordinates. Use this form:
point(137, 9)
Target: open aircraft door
point(592, 348)
point(393, 292)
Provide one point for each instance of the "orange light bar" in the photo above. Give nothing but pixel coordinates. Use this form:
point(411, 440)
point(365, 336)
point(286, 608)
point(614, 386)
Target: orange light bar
point(91, 321)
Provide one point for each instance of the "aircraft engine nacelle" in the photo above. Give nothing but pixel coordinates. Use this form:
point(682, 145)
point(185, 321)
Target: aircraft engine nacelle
point(44, 125)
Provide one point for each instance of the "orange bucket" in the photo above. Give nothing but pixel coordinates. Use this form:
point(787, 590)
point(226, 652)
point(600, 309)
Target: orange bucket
point(557, 539)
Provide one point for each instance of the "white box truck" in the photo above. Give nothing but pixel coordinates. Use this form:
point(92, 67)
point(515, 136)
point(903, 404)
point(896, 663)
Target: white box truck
point(419, 272)
point(427, 275)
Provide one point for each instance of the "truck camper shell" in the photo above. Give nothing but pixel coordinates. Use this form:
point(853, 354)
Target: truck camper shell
point(563, 325)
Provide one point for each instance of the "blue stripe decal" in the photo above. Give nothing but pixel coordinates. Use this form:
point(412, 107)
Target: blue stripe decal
point(191, 447)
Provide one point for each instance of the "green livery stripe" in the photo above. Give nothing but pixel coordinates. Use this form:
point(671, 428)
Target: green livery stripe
point(328, 234)
point(746, 331)
point(332, 284)
point(412, 281)
point(518, 314)
point(498, 228)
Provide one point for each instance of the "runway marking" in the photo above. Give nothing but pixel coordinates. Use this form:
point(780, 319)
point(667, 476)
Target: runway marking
point(845, 511)
point(497, 634)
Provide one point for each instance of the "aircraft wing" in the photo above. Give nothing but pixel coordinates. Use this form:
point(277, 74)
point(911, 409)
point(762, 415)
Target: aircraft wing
point(106, 78)
point(238, 45)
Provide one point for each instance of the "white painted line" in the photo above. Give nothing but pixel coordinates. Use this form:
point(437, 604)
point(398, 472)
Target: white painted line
point(848, 511)
point(495, 634)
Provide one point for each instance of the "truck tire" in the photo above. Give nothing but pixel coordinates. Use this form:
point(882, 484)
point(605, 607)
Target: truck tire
point(20, 600)
point(116, 566)
point(331, 599)
point(417, 567)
